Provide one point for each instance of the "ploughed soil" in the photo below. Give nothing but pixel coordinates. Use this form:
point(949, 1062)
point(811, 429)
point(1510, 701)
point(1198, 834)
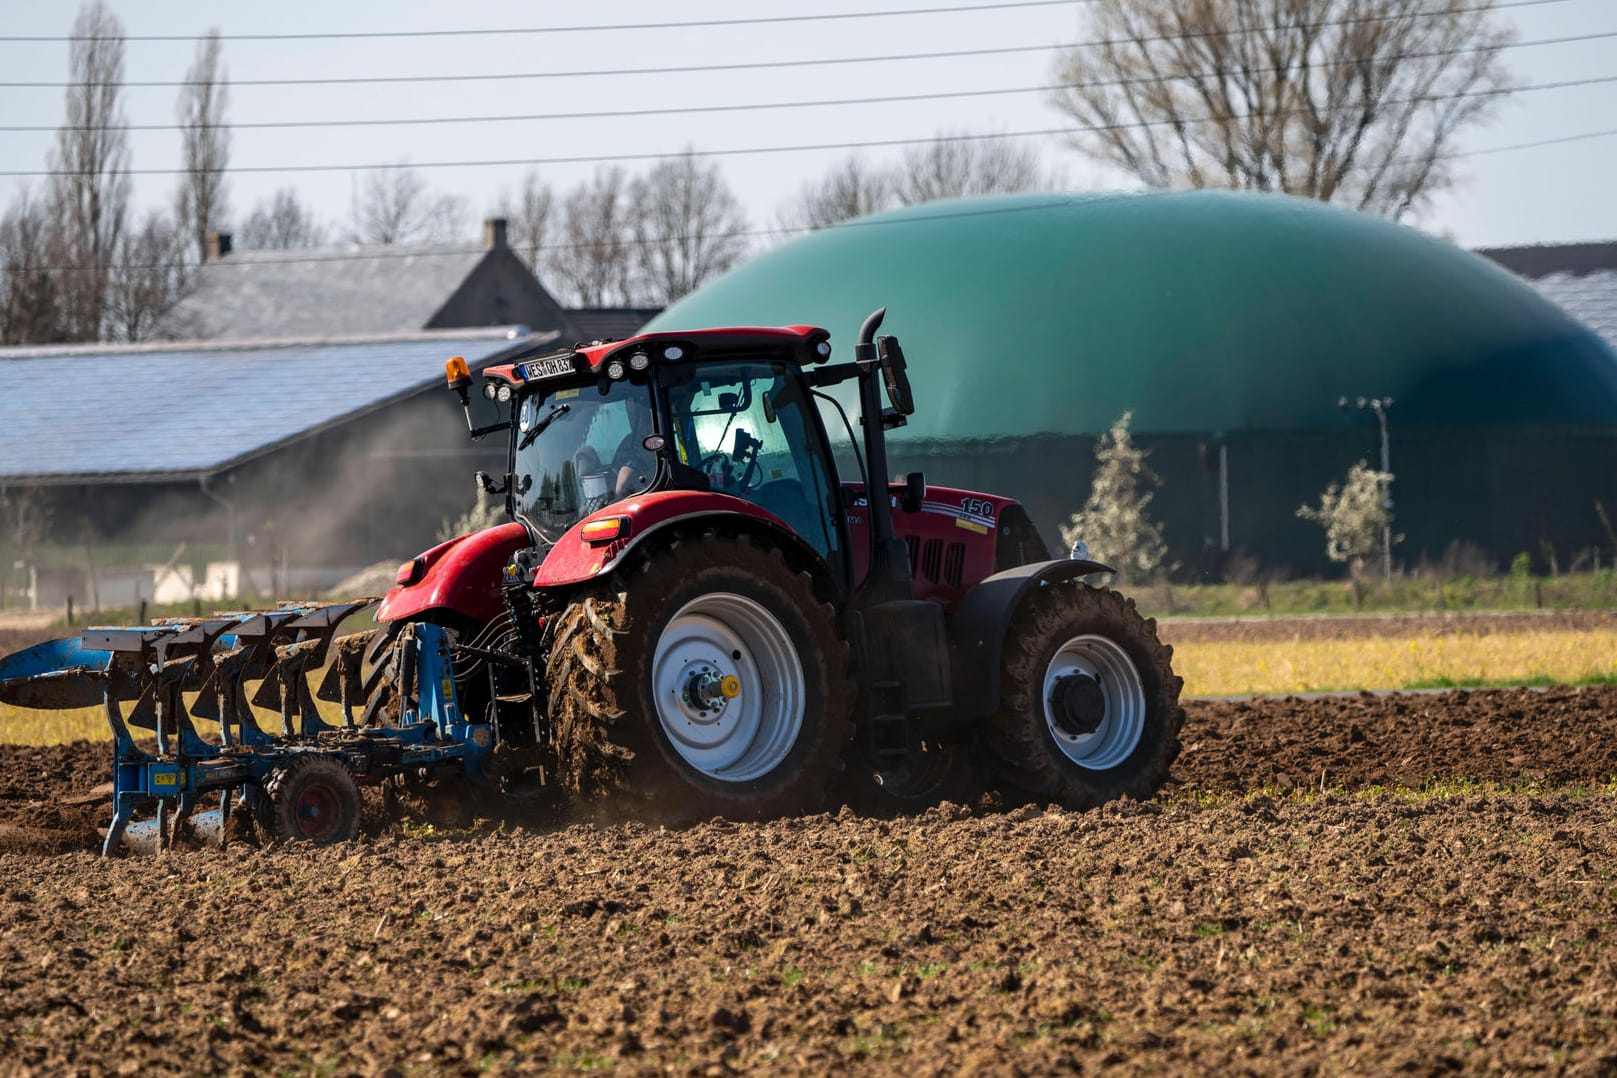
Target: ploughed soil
point(1277, 910)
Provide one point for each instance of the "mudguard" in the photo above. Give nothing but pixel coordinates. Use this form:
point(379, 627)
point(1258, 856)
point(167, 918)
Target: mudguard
point(977, 628)
point(574, 559)
point(461, 576)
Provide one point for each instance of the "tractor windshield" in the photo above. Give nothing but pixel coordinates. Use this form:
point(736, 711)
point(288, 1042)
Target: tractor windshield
point(589, 454)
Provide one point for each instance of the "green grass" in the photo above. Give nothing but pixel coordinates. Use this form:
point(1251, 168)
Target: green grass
point(1540, 682)
point(1401, 595)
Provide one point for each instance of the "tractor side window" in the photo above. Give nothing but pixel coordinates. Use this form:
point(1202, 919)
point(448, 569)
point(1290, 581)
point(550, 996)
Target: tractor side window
point(745, 426)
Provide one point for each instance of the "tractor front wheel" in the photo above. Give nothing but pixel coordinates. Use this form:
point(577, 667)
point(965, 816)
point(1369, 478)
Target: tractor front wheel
point(706, 680)
point(1089, 707)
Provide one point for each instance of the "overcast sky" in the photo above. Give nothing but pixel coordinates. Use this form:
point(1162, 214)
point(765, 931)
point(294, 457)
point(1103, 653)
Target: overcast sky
point(1550, 194)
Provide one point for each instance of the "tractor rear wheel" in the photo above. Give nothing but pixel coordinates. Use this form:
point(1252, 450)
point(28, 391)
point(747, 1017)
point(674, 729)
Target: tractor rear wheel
point(313, 799)
point(1089, 707)
point(708, 679)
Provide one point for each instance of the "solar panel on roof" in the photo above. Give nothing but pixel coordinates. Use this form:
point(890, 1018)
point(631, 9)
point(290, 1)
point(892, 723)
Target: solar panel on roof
point(194, 410)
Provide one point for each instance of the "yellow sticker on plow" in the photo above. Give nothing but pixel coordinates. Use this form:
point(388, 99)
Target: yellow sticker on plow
point(165, 778)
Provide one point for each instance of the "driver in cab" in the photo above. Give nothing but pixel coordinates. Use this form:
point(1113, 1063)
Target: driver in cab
point(632, 465)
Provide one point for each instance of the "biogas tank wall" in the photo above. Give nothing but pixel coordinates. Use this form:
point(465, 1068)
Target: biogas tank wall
point(1032, 322)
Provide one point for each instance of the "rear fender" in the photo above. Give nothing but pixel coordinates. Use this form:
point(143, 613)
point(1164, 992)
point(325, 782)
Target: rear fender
point(978, 626)
point(462, 576)
point(575, 560)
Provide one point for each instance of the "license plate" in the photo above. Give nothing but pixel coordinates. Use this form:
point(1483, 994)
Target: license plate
point(548, 368)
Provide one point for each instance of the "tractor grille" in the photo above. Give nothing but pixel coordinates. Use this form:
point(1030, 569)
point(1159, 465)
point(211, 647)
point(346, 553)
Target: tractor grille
point(935, 561)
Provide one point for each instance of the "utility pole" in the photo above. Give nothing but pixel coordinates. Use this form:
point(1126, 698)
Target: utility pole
point(1379, 406)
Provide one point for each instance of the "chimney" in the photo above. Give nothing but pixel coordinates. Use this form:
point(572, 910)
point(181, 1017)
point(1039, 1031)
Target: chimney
point(494, 229)
point(218, 245)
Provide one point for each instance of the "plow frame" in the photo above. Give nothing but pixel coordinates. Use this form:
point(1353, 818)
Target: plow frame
point(152, 667)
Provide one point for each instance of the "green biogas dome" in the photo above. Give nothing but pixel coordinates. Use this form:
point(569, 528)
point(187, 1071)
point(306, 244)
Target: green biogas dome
point(1230, 326)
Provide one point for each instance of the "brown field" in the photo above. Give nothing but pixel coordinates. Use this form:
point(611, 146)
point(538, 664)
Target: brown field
point(1363, 883)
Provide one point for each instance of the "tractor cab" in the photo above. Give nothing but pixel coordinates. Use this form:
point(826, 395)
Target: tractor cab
point(718, 415)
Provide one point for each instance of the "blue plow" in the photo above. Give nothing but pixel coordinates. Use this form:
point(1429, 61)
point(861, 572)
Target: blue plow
point(302, 780)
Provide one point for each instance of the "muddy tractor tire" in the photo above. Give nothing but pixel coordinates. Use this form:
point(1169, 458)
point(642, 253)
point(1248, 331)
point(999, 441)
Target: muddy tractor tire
point(380, 673)
point(1089, 703)
point(707, 679)
point(312, 798)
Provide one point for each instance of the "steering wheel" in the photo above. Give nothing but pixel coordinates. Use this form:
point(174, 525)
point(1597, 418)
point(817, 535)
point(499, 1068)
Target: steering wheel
point(587, 463)
point(750, 473)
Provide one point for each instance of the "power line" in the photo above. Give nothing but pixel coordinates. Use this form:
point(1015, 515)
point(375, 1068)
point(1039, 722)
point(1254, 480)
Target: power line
point(460, 250)
point(514, 30)
point(752, 106)
point(815, 62)
point(751, 151)
point(1535, 144)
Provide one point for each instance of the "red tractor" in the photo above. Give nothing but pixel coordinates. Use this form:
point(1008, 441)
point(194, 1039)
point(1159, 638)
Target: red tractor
point(692, 609)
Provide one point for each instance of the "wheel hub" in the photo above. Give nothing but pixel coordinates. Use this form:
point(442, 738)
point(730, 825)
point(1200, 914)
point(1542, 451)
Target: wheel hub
point(1077, 704)
point(1094, 702)
point(316, 810)
point(728, 687)
point(707, 690)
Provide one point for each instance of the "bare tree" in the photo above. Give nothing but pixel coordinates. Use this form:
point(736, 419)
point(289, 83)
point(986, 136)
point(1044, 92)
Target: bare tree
point(280, 222)
point(201, 202)
point(688, 227)
point(395, 205)
point(1351, 101)
point(953, 167)
point(593, 261)
point(30, 256)
point(25, 519)
point(850, 189)
point(149, 276)
point(90, 168)
point(530, 217)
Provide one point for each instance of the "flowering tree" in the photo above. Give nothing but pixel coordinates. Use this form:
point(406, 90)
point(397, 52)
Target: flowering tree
point(1353, 515)
point(1113, 523)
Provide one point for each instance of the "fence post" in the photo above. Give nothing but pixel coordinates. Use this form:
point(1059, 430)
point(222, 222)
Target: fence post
point(70, 611)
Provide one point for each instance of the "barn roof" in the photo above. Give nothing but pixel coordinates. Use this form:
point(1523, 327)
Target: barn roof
point(1580, 278)
point(321, 291)
point(181, 411)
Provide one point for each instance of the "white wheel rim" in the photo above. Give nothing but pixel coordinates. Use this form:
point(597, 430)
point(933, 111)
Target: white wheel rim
point(709, 640)
point(1122, 722)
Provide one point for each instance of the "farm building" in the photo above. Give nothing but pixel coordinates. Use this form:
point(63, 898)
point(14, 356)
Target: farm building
point(1580, 278)
point(1230, 326)
point(173, 470)
point(354, 290)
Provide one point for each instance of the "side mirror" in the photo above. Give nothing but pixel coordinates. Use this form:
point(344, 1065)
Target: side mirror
point(894, 372)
